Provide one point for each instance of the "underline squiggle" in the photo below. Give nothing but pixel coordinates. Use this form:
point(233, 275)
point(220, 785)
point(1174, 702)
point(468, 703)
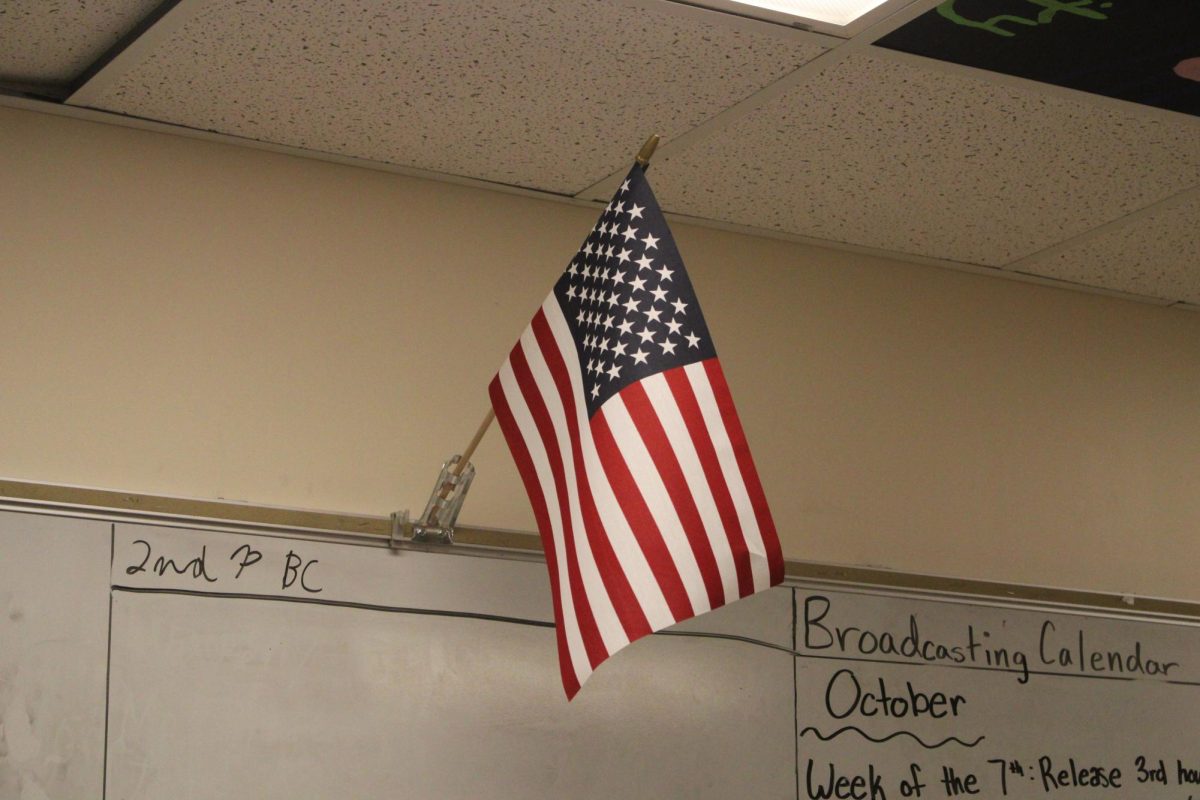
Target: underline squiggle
point(867, 736)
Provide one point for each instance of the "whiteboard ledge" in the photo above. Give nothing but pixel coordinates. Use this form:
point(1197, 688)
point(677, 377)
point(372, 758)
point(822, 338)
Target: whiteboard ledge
point(375, 531)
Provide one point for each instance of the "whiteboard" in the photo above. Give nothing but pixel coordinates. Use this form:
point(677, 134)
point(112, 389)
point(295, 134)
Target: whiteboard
point(54, 594)
point(1001, 702)
point(337, 685)
point(179, 661)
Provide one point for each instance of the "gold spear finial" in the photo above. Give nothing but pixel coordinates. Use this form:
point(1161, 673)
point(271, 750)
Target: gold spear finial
point(643, 156)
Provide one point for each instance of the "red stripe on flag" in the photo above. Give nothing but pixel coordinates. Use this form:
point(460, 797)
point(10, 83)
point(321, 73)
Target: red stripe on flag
point(689, 409)
point(650, 428)
point(592, 642)
point(634, 507)
point(625, 602)
point(516, 444)
point(741, 449)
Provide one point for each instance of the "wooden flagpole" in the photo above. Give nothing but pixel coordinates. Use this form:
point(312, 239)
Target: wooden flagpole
point(465, 458)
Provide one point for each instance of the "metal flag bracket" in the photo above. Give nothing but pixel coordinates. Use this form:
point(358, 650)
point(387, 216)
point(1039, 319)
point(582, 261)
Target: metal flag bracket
point(436, 525)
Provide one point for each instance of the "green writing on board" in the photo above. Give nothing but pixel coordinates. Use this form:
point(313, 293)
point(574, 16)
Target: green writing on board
point(1080, 8)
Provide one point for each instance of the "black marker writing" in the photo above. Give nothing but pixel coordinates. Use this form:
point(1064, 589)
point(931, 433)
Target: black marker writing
point(292, 570)
point(845, 696)
point(249, 558)
point(197, 567)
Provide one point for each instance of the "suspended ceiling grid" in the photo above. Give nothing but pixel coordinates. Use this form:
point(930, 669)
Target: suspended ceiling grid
point(50, 43)
point(765, 127)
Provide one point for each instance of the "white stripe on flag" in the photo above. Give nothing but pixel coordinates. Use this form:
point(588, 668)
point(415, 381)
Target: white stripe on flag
point(658, 500)
point(711, 412)
point(609, 624)
point(663, 401)
point(625, 545)
point(541, 466)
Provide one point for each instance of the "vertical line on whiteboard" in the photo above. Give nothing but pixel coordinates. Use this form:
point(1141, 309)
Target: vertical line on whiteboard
point(795, 698)
point(112, 550)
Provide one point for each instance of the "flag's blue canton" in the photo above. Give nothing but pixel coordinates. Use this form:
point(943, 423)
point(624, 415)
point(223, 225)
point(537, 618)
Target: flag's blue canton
point(627, 298)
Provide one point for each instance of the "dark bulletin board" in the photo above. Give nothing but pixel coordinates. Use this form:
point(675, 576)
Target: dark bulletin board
point(1144, 51)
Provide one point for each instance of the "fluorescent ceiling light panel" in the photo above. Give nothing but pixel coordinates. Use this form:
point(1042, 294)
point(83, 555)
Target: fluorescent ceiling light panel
point(832, 12)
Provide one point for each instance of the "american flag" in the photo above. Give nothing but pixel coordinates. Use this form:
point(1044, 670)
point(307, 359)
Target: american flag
point(621, 424)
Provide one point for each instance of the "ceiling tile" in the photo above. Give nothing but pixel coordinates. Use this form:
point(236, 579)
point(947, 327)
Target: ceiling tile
point(887, 154)
point(1158, 255)
point(552, 96)
point(53, 41)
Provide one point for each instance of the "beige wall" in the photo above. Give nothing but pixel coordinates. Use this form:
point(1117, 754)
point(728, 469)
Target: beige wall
point(189, 318)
